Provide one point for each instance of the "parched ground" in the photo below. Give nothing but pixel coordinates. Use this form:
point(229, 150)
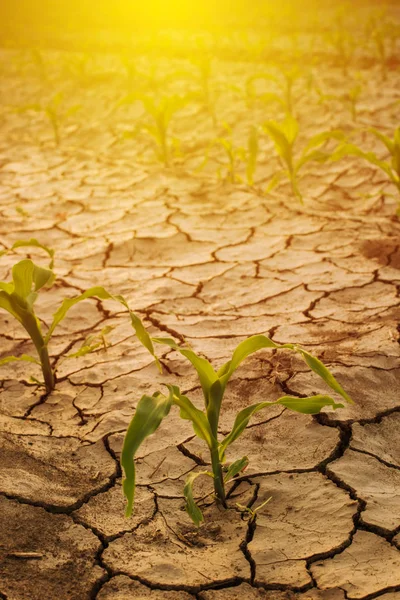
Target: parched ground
point(209, 262)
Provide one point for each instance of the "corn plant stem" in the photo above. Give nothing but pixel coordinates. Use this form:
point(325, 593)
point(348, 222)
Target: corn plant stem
point(219, 486)
point(31, 325)
point(164, 150)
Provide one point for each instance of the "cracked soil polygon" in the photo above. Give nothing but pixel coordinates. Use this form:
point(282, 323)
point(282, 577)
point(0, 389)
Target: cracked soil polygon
point(368, 566)
point(285, 536)
point(43, 555)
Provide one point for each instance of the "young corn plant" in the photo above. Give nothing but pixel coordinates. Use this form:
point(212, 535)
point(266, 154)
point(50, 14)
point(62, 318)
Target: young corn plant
point(160, 113)
point(54, 113)
point(285, 84)
point(284, 136)
point(18, 298)
point(203, 64)
point(348, 99)
point(236, 156)
point(344, 44)
point(151, 410)
point(390, 167)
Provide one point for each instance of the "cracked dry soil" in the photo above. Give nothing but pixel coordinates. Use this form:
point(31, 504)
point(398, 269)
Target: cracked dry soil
point(211, 263)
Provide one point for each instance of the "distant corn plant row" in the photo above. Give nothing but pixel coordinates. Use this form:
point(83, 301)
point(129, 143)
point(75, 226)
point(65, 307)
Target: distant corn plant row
point(18, 297)
point(239, 163)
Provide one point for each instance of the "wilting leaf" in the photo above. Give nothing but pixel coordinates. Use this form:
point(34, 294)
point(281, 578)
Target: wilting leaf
point(23, 357)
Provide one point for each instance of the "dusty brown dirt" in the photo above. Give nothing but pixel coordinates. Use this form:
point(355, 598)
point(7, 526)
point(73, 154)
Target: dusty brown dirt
point(211, 262)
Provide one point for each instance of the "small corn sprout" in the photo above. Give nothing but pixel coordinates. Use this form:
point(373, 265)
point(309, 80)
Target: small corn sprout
point(349, 99)
point(53, 112)
point(284, 83)
point(92, 343)
point(284, 136)
point(151, 410)
point(18, 297)
point(344, 44)
point(160, 113)
point(236, 155)
point(390, 168)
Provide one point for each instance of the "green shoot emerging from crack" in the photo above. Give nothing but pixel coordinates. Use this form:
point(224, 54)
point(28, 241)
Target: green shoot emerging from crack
point(18, 297)
point(284, 136)
point(252, 512)
point(390, 168)
point(151, 410)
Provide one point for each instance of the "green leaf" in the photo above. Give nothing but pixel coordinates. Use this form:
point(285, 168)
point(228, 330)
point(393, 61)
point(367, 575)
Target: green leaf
point(351, 150)
point(236, 467)
point(26, 275)
point(68, 303)
point(205, 371)
point(243, 350)
point(192, 509)
point(313, 156)
point(311, 405)
point(140, 330)
point(320, 369)
point(33, 242)
point(23, 357)
point(321, 138)
point(383, 138)
point(216, 394)
point(189, 412)
point(240, 424)
point(150, 412)
point(252, 152)
point(100, 292)
point(282, 144)
point(7, 302)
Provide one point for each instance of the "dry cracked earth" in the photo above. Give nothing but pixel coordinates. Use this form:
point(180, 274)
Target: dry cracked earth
point(207, 262)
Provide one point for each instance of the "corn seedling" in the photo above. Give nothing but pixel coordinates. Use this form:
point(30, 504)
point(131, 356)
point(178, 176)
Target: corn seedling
point(252, 512)
point(18, 297)
point(284, 136)
point(203, 64)
point(344, 44)
point(93, 343)
point(285, 84)
point(53, 111)
point(390, 168)
point(151, 410)
point(160, 113)
point(236, 156)
point(348, 99)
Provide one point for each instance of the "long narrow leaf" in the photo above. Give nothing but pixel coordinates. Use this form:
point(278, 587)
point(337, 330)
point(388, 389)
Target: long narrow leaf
point(150, 412)
point(188, 411)
point(23, 357)
point(205, 371)
point(320, 369)
point(33, 242)
point(236, 467)
point(192, 509)
point(244, 349)
point(310, 406)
